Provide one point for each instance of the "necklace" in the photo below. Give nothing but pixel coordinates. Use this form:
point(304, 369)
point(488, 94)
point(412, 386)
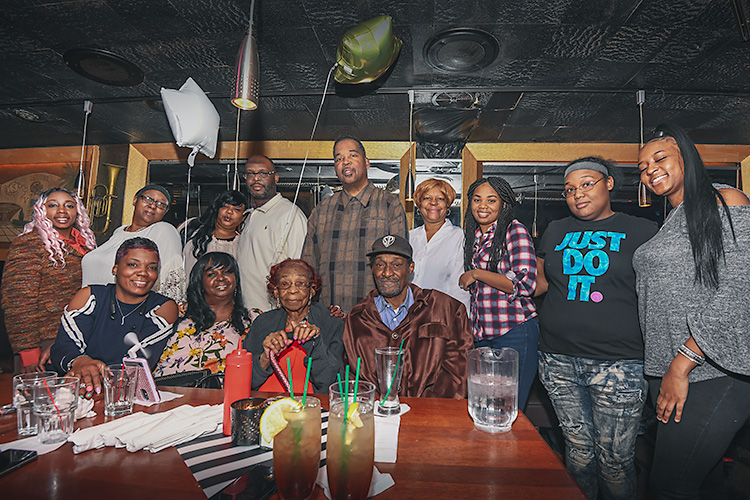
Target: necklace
point(117, 301)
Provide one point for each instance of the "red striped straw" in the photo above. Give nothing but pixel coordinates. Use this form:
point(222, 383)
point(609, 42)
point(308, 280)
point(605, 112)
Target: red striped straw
point(122, 376)
point(53, 401)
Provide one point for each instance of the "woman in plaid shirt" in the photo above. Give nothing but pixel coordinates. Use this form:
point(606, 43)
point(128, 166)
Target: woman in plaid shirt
point(500, 274)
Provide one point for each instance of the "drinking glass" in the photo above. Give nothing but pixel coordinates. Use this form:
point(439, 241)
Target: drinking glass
point(120, 382)
point(389, 369)
point(351, 444)
point(296, 451)
point(493, 388)
point(23, 397)
point(55, 403)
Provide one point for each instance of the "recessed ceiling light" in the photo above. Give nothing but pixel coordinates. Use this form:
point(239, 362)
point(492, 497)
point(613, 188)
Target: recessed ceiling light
point(460, 50)
point(103, 66)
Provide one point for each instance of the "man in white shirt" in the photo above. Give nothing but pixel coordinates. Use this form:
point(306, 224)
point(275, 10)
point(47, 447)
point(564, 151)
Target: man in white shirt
point(274, 231)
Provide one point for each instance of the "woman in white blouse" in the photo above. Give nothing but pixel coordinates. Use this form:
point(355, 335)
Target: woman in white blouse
point(438, 245)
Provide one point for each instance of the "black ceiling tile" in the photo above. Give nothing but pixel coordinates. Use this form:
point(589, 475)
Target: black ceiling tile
point(213, 17)
point(608, 75)
point(465, 13)
point(518, 73)
point(274, 16)
point(688, 46)
point(576, 41)
point(720, 16)
point(272, 79)
point(632, 45)
point(559, 73)
point(503, 101)
point(656, 14)
point(338, 15)
point(523, 41)
point(151, 17)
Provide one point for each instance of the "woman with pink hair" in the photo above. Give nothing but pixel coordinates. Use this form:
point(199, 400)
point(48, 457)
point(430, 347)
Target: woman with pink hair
point(42, 273)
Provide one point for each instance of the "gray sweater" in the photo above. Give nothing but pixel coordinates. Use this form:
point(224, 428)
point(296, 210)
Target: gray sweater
point(672, 307)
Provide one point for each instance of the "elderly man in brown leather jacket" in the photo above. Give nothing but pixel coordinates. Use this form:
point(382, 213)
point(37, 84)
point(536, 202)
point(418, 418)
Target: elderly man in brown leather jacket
point(434, 327)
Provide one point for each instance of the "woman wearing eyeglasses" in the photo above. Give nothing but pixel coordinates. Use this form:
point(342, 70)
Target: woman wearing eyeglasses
point(150, 205)
point(300, 330)
point(590, 348)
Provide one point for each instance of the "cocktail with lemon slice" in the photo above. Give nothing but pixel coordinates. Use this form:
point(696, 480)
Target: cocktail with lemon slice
point(351, 441)
point(295, 430)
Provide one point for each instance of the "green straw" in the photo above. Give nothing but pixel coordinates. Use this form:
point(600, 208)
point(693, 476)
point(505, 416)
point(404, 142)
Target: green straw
point(307, 378)
point(291, 384)
point(395, 373)
point(356, 381)
point(338, 376)
point(346, 393)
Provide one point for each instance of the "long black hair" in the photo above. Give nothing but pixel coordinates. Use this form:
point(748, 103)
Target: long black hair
point(704, 225)
point(198, 309)
point(504, 218)
point(201, 230)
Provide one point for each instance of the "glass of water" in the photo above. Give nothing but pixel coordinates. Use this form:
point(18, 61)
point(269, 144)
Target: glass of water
point(493, 388)
point(23, 397)
point(389, 367)
point(120, 382)
point(55, 403)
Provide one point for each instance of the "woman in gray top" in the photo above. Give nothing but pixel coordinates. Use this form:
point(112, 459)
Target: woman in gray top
point(693, 297)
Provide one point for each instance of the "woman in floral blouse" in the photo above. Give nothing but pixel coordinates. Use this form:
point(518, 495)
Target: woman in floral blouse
point(215, 321)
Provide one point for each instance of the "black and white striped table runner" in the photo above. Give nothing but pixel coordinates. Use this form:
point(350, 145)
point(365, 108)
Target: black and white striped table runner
point(215, 463)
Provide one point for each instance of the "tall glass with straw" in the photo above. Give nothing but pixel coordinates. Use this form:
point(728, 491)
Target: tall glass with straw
point(350, 452)
point(296, 449)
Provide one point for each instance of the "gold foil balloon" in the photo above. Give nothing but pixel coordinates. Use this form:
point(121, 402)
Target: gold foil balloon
point(366, 51)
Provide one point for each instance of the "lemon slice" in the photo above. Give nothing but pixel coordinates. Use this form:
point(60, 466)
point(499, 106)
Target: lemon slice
point(272, 421)
point(353, 415)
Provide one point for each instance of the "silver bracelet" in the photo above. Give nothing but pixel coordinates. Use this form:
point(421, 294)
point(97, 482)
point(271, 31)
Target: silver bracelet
point(692, 356)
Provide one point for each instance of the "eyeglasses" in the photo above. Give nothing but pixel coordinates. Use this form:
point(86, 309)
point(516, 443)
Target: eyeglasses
point(585, 187)
point(150, 201)
point(264, 175)
point(301, 285)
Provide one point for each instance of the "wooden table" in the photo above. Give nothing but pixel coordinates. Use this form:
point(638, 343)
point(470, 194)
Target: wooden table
point(440, 455)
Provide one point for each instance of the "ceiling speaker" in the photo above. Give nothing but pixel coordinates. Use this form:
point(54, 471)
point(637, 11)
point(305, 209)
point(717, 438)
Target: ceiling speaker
point(103, 66)
point(461, 50)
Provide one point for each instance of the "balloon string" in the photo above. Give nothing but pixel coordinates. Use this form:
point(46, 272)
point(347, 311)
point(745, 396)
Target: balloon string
point(79, 189)
point(285, 233)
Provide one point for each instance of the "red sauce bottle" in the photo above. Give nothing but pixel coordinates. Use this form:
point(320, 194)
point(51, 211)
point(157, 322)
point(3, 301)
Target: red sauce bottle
point(237, 377)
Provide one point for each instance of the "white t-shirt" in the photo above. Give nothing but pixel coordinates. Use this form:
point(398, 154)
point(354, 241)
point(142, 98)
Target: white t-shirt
point(97, 265)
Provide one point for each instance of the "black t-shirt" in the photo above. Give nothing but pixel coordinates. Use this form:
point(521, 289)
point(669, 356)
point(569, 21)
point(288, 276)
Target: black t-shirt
point(591, 308)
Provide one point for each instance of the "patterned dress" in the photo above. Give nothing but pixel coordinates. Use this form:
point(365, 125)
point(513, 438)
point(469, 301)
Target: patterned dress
point(188, 350)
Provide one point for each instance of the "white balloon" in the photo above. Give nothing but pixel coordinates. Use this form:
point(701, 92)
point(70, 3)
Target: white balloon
point(193, 119)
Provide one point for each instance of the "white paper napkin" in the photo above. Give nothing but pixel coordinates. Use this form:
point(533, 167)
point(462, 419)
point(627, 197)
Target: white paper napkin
point(85, 408)
point(165, 396)
point(386, 435)
point(139, 431)
point(380, 482)
point(31, 444)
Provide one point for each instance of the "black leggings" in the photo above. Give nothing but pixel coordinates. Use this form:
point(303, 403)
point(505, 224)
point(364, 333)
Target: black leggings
point(686, 452)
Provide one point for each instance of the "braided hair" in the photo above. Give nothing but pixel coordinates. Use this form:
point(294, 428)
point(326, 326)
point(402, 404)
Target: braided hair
point(504, 218)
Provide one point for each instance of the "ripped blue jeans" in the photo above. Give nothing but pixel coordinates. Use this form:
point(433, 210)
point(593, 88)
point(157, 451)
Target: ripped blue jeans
point(599, 405)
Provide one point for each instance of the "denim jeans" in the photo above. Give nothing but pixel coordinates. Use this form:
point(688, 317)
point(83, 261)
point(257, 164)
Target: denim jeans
point(686, 452)
point(599, 405)
point(524, 338)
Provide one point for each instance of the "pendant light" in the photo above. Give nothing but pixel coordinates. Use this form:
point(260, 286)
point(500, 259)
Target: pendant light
point(246, 81)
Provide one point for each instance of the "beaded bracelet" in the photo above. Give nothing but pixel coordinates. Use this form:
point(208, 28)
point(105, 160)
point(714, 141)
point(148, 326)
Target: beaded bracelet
point(689, 354)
